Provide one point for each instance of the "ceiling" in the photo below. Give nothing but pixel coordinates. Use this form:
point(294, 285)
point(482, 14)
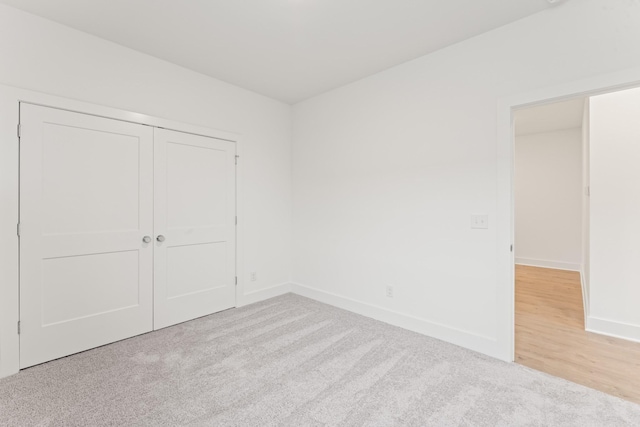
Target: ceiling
point(285, 49)
point(550, 117)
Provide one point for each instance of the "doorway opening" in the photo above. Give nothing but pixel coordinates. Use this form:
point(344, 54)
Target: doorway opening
point(576, 192)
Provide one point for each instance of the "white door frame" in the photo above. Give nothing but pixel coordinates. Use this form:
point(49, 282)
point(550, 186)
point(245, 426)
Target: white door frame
point(505, 197)
point(10, 98)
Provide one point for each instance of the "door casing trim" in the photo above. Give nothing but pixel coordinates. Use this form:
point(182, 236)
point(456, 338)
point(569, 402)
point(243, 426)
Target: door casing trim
point(596, 85)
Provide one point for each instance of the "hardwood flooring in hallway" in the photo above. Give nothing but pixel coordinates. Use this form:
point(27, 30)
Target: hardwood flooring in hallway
point(550, 335)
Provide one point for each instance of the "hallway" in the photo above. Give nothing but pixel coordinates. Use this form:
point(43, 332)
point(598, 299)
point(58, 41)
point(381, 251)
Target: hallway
point(550, 335)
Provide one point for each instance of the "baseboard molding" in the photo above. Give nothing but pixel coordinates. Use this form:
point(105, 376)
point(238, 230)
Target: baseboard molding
point(479, 343)
point(612, 328)
point(263, 294)
point(558, 265)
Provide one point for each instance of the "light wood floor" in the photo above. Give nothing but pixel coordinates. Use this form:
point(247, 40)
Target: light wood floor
point(550, 335)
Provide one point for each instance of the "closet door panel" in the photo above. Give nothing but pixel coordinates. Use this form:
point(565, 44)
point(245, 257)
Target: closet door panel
point(86, 202)
point(195, 220)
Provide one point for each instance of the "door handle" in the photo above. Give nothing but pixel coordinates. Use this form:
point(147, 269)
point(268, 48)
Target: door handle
point(146, 239)
point(160, 238)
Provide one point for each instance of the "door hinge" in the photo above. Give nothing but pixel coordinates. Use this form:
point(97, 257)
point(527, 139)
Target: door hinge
point(236, 220)
point(237, 157)
point(236, 280)
point(511, 248)
point(18, 327)
point(18, 229)
point(19, 130)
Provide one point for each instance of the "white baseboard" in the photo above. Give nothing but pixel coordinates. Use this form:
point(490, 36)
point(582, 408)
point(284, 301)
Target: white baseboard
point(472, 341)
point(263, 294)
point(558, 265)
point(612, 328)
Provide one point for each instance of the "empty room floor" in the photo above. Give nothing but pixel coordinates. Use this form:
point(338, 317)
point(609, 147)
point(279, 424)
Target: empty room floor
point(296, 362)
point(550, 335)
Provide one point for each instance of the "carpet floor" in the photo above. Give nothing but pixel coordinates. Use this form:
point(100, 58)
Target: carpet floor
point(292, 361)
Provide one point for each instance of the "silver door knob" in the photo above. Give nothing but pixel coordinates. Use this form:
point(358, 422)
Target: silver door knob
point(146, 239)
point(160, 238)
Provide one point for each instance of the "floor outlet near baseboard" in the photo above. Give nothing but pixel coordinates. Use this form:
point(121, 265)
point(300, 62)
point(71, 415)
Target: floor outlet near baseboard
point(389, 291)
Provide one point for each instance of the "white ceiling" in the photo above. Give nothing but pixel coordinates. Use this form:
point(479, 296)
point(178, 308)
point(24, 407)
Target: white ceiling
point(550, 117)
point(286, 49)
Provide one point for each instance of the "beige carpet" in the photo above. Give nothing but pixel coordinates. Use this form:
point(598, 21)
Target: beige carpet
point(295, 362)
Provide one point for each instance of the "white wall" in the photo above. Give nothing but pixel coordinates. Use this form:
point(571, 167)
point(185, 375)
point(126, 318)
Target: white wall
point(388, 170)
point(43, 56)
point(548, 199)
point(615, 214)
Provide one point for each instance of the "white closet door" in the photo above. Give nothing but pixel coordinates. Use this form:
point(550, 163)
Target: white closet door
point(195, 208)
point(86, 188)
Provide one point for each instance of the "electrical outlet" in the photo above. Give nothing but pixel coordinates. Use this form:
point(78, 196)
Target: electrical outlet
point(254, 276)
point(389, 291)
point(479, 221)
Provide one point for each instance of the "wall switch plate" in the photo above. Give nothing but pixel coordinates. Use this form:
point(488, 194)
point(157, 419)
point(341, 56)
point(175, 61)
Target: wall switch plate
point(254, 276)
point(479, 221)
